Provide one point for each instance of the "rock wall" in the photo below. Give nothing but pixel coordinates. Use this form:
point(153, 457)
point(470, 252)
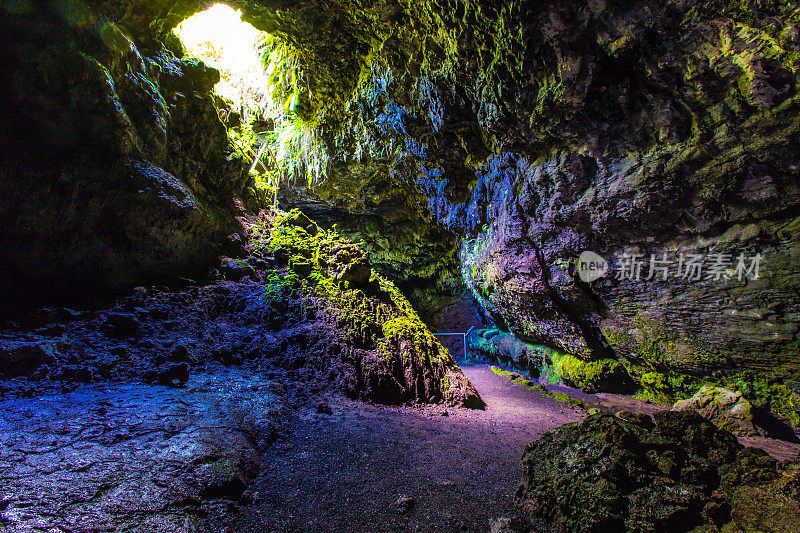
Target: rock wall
point(537, 131)
point(115, 167)
point(522, 134)
point(668, 130)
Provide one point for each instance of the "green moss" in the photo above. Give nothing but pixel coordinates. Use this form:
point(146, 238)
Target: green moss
point(587, 375)
point(501, 372)
point(654, 356)
point(445, 385)
point(547, 367)
point(763, 392)
point(378, 310)
point(656, 387)
point(278, 286)
point(400, 327)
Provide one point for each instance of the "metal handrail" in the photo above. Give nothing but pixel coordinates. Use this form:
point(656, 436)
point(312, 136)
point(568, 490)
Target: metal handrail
point(464, 335)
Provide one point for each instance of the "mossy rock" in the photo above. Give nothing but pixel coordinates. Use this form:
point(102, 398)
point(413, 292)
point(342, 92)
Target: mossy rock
point(725, 408)
point(606, 375)
point(390, 355)
point(675, 472)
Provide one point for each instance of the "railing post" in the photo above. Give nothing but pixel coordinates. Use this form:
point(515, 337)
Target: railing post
point(463, 337)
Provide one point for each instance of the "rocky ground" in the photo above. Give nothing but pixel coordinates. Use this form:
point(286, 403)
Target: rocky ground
point(151, 414)
point(131, 456)
point(237, 450)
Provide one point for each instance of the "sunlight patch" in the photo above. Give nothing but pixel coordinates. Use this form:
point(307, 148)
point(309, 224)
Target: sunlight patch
point(220, 38)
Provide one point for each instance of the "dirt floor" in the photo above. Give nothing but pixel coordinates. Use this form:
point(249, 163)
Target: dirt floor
point(355, 469)
point(352, 470)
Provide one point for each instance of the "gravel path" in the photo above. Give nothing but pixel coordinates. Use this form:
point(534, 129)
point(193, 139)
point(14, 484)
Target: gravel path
point(354, 470)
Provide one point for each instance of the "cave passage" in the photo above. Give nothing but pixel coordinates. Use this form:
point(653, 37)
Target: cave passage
point(345, 266)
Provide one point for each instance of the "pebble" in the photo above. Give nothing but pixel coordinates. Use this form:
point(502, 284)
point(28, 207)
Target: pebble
point(404, 503)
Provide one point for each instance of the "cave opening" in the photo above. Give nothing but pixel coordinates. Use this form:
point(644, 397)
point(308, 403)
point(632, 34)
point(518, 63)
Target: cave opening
point(222, 40)
point(263, 97)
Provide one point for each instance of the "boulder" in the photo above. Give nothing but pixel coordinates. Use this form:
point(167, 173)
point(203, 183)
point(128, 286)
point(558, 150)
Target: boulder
point(629, 472)
point(235, 269)
point(725, 408)
point(24, 358)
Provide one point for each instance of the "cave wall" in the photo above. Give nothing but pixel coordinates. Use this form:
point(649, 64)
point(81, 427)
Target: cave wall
point(533, 131)
point(666, 127)
point(517, 135)
point(115, 167)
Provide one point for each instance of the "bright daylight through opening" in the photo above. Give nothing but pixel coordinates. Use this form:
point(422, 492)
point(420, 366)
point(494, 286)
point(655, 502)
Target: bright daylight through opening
point(220, 38)
point(262, 91)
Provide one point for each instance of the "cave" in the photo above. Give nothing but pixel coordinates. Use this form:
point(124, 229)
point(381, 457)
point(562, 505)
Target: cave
point(444, 265)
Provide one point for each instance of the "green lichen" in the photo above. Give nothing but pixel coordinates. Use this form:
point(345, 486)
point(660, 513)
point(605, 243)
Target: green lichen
point(588, 375)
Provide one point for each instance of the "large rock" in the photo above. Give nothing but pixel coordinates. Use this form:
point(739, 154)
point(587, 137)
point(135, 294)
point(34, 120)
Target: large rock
point(24, 358)
point(725, 408)
point(628, 473)
point(367, 334)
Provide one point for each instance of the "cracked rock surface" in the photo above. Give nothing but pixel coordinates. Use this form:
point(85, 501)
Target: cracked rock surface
point(113, 457)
